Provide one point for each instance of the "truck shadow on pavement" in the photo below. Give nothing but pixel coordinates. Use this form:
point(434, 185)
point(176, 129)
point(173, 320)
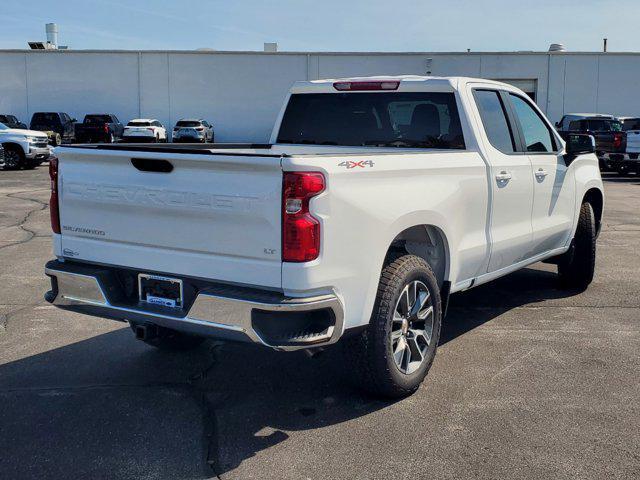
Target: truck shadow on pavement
point(111, 407)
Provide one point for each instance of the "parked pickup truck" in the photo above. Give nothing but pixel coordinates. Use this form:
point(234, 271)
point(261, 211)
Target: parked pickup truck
point(104, 128)
point(375, 200)
point(630, 161)
point(611, 141)
point(58, 126)
point(23, 148)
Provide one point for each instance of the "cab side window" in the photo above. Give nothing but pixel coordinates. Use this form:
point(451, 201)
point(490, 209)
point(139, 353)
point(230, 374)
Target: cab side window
point(537, 135)
point(494, 119)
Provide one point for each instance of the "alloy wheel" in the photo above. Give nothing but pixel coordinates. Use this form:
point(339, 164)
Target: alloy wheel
point(412, 327)
point(11, 158)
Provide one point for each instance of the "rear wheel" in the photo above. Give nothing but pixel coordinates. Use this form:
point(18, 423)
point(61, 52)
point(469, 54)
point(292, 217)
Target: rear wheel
point(577, 267)
point(13, 157)
point(56, 139)
point(393, 355)
point(165, 338)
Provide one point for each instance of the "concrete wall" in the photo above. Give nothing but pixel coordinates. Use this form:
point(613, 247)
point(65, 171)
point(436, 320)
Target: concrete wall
point(241, 92)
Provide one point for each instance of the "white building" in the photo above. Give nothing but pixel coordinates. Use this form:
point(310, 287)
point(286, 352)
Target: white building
point(241, 92)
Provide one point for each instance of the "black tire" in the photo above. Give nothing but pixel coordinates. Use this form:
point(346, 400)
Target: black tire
point(170, 340)
point(577, 267)
point(13, 157)
point(31, 164)
point(370, 354)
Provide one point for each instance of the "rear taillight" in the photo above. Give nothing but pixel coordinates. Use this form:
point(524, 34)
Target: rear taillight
point(376, 85)
point(617, 140)
point(300, 229)
point(54, 207)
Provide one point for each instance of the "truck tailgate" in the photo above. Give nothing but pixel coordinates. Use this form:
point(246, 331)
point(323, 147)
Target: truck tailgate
point(214, 216)
point(633, 141)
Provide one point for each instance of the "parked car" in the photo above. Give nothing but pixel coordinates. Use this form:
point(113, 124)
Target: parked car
point(58, 126)
point(630, 162)
point(144, 130)
point(99, 127)
point(23, 148)
point(375, 200)
point(12, 121)
point(192, 131)
point(611, 140)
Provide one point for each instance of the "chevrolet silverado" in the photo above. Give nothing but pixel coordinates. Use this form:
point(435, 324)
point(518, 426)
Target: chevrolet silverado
point(375, 199)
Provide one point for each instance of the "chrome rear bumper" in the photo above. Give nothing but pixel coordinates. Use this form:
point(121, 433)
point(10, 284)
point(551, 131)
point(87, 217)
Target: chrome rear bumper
point(228, 316)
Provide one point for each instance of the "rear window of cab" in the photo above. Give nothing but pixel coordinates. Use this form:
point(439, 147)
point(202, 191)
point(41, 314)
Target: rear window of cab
point(394, 119)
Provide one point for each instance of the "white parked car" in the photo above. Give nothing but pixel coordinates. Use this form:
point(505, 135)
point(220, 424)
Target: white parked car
point(376, 199)
point(23, 148)
point(144, 130)
point(193, 131)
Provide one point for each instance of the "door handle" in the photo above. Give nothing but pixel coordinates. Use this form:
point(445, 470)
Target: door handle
point(503, 176)
point(541, 173)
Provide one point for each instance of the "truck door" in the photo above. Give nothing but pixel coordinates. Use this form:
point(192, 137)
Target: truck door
point(511, 178)
point(554, 187)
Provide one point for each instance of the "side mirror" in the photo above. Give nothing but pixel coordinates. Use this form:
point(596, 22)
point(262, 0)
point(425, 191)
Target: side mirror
point(578, 145)
point(557, 124)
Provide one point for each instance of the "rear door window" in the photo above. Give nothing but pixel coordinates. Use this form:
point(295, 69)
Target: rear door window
point(494, 119)
point(393, 119)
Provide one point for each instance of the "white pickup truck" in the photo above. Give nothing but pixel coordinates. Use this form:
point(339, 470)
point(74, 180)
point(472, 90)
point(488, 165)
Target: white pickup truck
point(375, 200)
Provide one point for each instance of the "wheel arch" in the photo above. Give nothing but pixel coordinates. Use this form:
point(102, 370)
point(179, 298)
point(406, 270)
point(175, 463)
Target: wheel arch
point(427, 241)
point(11, 144)
point(596, 198)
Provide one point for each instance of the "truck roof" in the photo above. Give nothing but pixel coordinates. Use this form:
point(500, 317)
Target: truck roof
point(407, 81)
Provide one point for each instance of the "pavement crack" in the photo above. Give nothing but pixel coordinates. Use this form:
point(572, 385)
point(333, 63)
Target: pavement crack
point(200, 392)
point(31, 234)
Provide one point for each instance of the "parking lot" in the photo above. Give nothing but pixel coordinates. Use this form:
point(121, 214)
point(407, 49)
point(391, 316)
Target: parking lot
point(529, 382)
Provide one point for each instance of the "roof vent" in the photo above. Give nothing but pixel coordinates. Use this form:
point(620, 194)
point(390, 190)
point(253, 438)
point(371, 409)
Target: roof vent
point(557, 47)
point(270, 47)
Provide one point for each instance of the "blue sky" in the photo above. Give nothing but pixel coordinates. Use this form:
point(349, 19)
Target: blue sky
point(326, 25)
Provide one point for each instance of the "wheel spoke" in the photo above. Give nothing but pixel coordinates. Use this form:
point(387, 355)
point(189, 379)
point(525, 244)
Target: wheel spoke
point(416, 351)
point(427, 312)
point(395, 335)
point(398, 353)
point(422, 334)
point(403, 302)
point(407, 357)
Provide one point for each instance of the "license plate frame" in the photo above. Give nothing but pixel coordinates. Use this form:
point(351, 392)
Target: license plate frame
point(160, 291)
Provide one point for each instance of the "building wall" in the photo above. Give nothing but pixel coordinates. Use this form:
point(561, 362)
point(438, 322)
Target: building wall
point(242, 92)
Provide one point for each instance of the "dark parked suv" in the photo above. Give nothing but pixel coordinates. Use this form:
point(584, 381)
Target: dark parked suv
point(58, 126)
point(12, 121)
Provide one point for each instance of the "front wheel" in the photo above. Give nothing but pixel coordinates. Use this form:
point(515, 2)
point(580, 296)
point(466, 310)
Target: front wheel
point(13, 157)
point(577, 266)
point(393, 355)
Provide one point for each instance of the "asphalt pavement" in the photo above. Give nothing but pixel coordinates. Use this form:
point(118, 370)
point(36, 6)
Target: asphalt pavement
point(529, 382)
